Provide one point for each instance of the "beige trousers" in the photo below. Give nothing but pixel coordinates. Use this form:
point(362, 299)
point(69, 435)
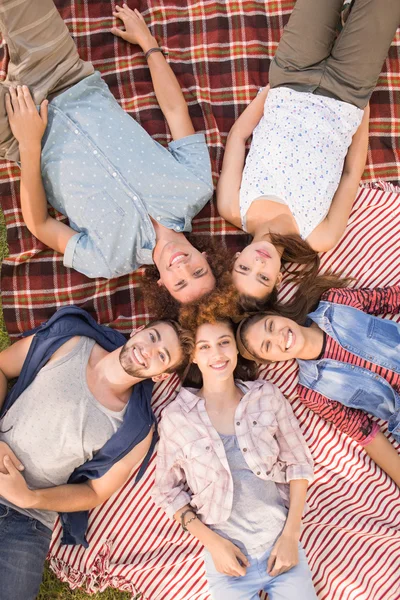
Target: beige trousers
point(42, 56)
point(311, 58)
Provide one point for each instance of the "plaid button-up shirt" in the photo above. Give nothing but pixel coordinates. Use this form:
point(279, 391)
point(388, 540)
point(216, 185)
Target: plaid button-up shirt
point(191, 452)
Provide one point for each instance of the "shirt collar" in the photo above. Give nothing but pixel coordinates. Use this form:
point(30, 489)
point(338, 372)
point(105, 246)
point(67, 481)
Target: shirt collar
point(188, 397)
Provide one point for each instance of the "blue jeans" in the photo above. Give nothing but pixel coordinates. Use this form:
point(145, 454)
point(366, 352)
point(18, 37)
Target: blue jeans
point(292, 585)
point(24, 543)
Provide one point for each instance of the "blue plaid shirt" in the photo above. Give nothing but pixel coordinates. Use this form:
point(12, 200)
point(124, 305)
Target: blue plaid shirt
point(102, 170)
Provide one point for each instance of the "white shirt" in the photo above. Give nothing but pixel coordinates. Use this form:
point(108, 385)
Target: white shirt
point(297, 154)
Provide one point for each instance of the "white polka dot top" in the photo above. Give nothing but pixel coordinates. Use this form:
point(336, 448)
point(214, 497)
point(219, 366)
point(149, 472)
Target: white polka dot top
point(297, 154)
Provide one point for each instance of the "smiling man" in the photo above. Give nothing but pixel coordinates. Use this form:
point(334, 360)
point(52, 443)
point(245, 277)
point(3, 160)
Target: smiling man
point(73, 427)
point(129, 200)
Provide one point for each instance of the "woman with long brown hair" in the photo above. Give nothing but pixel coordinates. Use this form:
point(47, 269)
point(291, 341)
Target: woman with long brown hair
point(310, 139)
point(348, 361)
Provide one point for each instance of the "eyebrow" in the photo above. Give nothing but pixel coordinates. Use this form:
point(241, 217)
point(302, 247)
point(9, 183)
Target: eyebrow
point(220, 337)
point(265, 329)
point(178, 289)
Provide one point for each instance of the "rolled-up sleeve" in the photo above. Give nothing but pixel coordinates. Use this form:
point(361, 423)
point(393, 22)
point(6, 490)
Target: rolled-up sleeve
point(168, 492)
point(83, 255)
point(293, 449)
point(192, 152)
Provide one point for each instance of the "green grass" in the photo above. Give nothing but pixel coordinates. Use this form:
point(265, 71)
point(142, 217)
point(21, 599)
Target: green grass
point(51, 588)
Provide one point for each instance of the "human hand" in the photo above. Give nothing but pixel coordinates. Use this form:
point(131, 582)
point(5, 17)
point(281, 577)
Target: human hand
point(226, 557)
point(284, 555)
point(136, 30)
point(27, 125)
point(6, 450)
point(13, 486)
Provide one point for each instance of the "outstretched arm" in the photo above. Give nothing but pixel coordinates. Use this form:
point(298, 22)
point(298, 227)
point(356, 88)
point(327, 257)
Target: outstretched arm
point(327, 234)
point(28, 127)
point(70, 497)
point(167, 89)
point(232, 167)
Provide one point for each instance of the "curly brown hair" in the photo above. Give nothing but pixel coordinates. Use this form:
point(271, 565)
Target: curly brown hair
point(159, 301)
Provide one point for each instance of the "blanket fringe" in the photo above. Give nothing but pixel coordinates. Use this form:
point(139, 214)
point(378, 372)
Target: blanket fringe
point(95, 580)
point(385, 186)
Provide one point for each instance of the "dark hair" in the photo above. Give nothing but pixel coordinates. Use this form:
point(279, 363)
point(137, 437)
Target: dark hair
point(186, 342)
point(159, 301)
point(245, 369)
point(303, 271)
point(296, 310)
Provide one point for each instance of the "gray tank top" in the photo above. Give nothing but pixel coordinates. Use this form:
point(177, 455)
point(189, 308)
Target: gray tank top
point(56, 425)
point(258, 514)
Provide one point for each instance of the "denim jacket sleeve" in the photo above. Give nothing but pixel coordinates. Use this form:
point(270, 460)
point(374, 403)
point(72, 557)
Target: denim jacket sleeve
point(354, 423)
point(375, 301)
point(168, 492)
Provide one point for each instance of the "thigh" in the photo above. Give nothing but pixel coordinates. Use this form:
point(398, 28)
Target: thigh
point(358, 55)
point(288, 585)
point(42, 52)
point(24, 544)
point(222, 586)
point(307, 40)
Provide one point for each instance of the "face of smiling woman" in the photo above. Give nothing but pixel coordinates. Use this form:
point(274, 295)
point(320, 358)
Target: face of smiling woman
point(275, 338)
point(215, 351)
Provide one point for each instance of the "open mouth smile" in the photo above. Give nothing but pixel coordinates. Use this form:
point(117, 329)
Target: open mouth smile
point(290, 340)
point(137, 357)
point(219, 366)
point(177, 258)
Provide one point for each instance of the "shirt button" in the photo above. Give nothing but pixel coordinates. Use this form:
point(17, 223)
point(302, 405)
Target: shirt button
point(76, 131)
point(135, 197)
point(258, 472)
point(244, 449)
point(94, 151)
point(178, 228)
point(254, 422)
point(114, 174)
point(207, 447)
point(237, 422)
point(159, 218)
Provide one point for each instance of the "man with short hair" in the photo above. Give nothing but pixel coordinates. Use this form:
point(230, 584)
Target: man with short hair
point(75, 424)
point(129, 200)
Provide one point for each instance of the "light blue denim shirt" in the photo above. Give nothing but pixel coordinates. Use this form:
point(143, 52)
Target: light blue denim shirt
point(103, 170)
point(369, 337)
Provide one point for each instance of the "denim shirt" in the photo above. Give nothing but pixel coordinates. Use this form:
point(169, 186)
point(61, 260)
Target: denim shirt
point(369, 337)
point(103, 171)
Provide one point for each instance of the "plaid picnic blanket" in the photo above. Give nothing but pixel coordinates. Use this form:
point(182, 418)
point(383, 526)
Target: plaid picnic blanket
point(220, 52)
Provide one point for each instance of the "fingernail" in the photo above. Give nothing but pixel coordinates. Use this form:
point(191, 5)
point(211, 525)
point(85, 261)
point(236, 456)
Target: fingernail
point(25, 87)
point(21, 467)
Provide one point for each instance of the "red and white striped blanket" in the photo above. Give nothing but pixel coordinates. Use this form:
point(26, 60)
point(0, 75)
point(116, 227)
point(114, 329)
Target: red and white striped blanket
point(351, 532)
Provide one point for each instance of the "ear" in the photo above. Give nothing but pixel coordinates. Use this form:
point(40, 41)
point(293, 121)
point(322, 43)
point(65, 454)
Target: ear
point(279, 280)
point(237, 254)
point(160, 283)
point(204, 254)
point(135, 331)
point(161, 377)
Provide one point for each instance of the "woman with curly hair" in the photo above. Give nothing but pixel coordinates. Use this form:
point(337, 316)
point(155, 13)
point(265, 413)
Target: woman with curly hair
point(310, 139)
point(238, 448)
point(348, 362)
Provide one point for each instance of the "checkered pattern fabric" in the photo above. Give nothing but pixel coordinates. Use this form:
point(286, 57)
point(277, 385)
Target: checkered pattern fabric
point(220, 51)
point(267, 431)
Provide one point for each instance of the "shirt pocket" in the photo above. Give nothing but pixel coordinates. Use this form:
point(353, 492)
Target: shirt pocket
point(102, 215)
point(263, 427)
point(385, 332)
point(200, 468)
